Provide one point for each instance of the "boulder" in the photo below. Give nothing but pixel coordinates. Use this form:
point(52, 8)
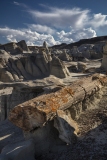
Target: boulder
point(12, 48)
point(4, 54)
point(81, 66)
point(73, 68)
point(65, 57)
point(22, 44)
point(58, 68)
point(5, 76)
point(66, 127)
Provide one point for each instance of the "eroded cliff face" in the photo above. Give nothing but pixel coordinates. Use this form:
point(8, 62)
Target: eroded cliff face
point(28, 65)
point(31, 67)
point(11, 97)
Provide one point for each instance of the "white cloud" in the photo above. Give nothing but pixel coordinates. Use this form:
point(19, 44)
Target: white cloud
point(98, 20)
point(57, 25)
point(75, 17)
point(84, 33)
point(75, 35)
point(31, 37)
point(16, 3)
point(61, 18)
point(34, 38)
point(20, 4)
point(65, 37)
point(41, 28)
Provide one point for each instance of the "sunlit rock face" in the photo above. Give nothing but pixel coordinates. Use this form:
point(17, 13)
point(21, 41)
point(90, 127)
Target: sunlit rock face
point(18, 63)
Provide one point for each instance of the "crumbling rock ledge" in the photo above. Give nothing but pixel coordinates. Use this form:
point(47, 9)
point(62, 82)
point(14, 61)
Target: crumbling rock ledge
point(38, 111)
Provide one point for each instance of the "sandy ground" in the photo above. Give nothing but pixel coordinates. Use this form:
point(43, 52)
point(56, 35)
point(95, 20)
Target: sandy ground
point(9, 133)
point(74, 76)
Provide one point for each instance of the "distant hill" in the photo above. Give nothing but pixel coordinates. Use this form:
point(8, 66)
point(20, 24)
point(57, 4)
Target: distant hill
point(80, 42)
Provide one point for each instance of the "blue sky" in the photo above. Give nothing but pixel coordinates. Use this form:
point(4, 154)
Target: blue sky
point(55, 21)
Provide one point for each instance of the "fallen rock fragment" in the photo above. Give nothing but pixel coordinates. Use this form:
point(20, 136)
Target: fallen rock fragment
point(66, 127)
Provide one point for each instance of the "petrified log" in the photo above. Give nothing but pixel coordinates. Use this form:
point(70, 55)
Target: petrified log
point(38, 111)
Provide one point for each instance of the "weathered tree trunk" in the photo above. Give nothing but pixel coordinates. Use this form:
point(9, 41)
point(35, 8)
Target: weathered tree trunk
point(36, 112)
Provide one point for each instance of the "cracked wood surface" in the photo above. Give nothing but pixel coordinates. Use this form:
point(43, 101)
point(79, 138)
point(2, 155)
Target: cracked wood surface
point(36, 112)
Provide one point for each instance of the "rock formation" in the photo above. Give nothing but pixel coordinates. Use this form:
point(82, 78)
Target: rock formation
point(64, 56)
point(73, 68)
point(62, 72)
point(81, 42)
point(30, 65)
point(41, 109)
point(22, 44)
point(81, 66)
point(12, 48)
point(39, 94)
point(86, 49)
point(104, 60)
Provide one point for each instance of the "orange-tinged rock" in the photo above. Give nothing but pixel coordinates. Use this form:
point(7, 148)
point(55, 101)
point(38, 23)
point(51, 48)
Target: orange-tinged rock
point(38, 111)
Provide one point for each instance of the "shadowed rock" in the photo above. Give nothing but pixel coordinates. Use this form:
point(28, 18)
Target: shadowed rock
point(64, 56)
point(104, 60)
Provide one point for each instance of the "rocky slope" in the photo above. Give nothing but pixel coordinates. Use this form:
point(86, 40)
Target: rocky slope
point(81, 42)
